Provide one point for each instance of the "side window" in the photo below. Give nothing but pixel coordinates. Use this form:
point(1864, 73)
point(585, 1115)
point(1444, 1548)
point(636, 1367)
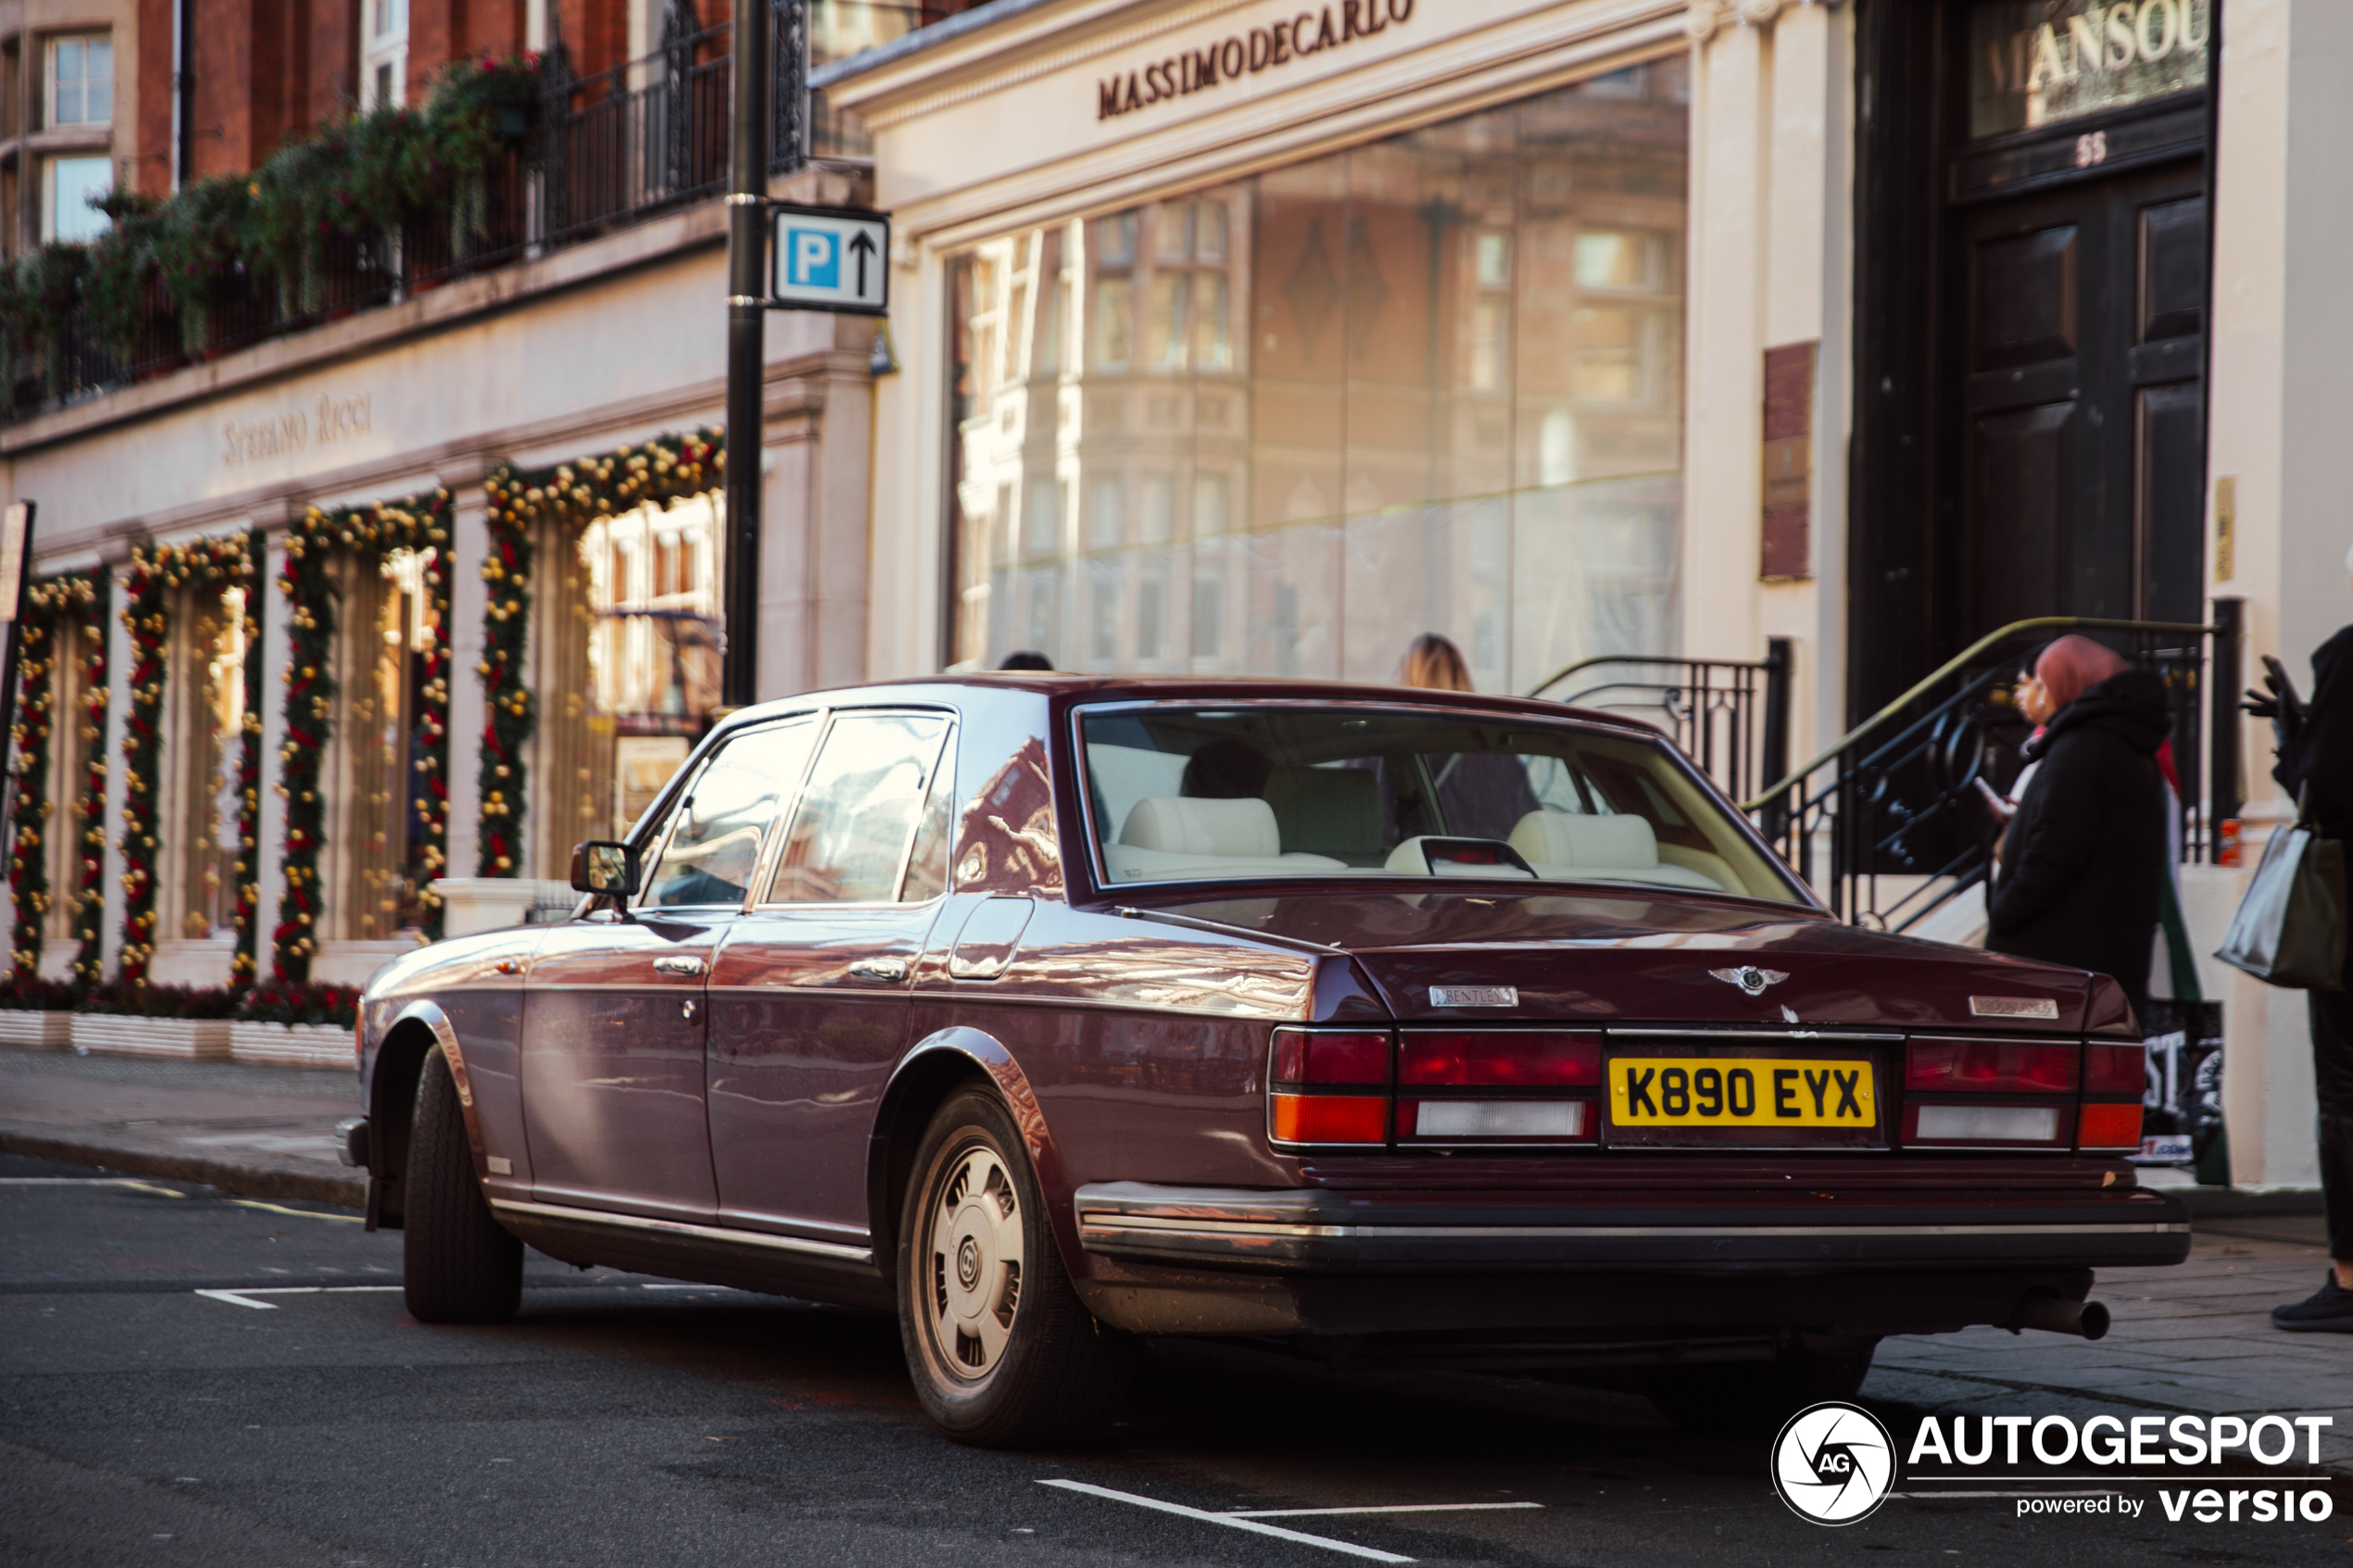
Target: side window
point(850, 836)
point(713, 848)
point(927, 862)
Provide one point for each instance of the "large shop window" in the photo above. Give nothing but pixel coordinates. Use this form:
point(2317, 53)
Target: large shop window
point(628, 663)
point(203, 745)
point(74, 738)
point(377, 833)
point(1278, 427)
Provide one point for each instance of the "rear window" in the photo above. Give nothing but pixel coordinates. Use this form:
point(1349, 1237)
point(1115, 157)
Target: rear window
point(1239, 792)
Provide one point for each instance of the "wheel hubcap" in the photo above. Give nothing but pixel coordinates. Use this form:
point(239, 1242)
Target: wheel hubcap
point(976, 1263)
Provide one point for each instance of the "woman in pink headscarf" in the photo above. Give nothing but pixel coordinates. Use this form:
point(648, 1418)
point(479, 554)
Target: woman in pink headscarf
point(2082, 868)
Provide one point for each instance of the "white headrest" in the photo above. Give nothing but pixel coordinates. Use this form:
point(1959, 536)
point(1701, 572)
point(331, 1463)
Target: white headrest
point(1182, 825)
point(1558, 838)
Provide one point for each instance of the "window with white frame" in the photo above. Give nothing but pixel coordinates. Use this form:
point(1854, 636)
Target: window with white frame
point(383, 67)
point(68, 187)
point(81, 80)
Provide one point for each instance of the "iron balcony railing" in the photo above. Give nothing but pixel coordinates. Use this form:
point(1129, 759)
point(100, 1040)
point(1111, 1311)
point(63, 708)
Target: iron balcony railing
point(1730, 716)
point(612, 148)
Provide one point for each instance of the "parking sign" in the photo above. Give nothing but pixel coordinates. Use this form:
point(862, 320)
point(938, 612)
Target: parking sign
point(829, 258)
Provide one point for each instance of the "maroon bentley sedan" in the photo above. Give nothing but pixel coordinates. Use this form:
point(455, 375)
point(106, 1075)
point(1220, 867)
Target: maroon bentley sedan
point(1386, 1027)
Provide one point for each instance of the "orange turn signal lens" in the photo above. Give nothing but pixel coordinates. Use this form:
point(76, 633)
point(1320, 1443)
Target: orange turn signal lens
point(2108, 1126)
point(1331, 1118)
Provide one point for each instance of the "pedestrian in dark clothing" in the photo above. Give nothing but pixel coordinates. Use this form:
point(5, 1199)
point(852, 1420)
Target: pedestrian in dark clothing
point(2316, 766)
point(2083, 864)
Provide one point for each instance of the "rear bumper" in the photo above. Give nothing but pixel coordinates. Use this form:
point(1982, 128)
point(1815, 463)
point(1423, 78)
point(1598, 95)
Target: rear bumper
point(1320, 1231)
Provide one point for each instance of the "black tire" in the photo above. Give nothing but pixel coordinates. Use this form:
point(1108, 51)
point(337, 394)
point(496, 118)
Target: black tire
point(1754, 1398)
point(1038, 1370)
point(458, 1265)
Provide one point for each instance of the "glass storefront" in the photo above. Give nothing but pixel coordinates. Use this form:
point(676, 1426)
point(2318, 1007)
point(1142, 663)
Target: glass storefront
point(631, 667)
point(208, 685)
point(386, 631)
point(1282, 425)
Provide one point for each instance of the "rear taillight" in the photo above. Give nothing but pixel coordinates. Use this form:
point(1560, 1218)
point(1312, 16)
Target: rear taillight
point(2114, 1078)
point(1301, 1058)
point(2115, 1070)
point(1329, 1087)
point(1512, 1059)
point(1496, 1121)
point(1991, 1093)
point(2105, 1128)
point(2011, 1066)
point(1309, 1076)
point(1332, 1119)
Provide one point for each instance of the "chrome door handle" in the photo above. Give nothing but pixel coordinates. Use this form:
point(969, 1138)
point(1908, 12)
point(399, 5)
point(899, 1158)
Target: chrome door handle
point(678, 966)
point(889, 970)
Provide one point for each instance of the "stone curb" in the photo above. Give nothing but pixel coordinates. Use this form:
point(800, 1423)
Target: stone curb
point(256, 1176)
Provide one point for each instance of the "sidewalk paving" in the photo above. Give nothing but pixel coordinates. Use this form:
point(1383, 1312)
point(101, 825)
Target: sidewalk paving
point(2194, 1338)
point(259, 1131)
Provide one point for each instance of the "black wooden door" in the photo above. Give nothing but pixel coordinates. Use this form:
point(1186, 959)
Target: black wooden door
point(2083, 465)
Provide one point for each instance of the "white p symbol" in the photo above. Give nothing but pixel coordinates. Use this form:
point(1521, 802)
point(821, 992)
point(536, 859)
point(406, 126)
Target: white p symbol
point(815, 260)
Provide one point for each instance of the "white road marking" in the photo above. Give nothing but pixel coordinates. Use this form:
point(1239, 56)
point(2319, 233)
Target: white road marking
point(725, 1287)
point(242, 1295)
point(1393, 1508)
point(87, 1181)
point(297, 1214)
point(1229, 1521)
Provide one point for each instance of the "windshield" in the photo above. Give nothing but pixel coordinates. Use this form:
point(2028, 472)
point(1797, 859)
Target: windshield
point(1243, 791)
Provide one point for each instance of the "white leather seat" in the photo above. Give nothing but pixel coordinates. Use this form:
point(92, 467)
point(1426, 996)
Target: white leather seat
point(1612, 849)
point(1558, 838)
point(1173, 837)
point(1177, 824)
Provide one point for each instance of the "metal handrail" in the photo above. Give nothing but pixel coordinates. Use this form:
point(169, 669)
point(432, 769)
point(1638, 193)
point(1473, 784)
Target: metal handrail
point(1541, 687)
point(1951, 666)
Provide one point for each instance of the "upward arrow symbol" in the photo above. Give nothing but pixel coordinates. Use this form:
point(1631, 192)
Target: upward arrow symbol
point(862, 248)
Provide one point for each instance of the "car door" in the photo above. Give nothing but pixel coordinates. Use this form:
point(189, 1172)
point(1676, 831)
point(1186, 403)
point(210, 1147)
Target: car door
point(614, 1010)
point(809, 1002)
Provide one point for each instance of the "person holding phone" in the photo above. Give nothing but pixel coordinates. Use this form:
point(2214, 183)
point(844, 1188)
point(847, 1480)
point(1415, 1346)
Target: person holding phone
point(2315, 766)
point(2082, 868)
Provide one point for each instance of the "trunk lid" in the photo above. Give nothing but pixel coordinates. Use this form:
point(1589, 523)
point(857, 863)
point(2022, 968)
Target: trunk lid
point(1634, 959)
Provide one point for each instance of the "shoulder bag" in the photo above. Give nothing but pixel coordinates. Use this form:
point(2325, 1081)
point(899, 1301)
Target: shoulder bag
point(2290, 928)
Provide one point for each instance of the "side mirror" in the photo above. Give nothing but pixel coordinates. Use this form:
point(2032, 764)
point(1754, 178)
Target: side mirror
point(605, 867)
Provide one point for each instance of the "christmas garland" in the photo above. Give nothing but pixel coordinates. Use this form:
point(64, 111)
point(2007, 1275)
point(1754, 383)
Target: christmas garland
point(50, 608)
point(247, 904)
point(155, 574)
point(665, 469)
point(90, 894)
point(367, 534)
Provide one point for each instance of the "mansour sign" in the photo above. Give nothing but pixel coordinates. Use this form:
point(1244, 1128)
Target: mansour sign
point(1220, 60)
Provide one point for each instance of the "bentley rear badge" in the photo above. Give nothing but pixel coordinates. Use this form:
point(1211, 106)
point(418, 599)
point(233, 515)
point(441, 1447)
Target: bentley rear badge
point(1749, 978)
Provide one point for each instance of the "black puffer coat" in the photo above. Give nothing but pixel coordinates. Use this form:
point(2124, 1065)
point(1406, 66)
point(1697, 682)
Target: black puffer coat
point(2084, 865)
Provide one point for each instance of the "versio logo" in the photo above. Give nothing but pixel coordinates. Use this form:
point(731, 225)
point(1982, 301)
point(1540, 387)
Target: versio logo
point(1833, 1463)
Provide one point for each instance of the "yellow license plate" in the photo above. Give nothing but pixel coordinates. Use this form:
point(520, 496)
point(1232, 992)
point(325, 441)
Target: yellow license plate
point(1739, 1092)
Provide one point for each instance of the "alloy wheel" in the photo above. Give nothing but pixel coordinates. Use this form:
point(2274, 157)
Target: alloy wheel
point(973, 1262)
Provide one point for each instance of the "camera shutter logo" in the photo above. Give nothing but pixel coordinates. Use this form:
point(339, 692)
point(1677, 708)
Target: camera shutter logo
point(1833, 1463)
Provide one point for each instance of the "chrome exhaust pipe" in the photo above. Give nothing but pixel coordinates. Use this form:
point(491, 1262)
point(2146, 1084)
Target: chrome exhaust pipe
point(2088, 1320)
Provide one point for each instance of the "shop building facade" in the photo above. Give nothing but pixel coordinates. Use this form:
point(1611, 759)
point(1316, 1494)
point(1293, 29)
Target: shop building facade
point(1236, 337)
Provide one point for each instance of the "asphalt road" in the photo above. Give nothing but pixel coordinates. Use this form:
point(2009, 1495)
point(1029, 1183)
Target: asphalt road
point(622, 1420)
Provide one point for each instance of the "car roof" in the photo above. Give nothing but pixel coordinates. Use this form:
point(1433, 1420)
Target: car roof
point(1065, 690)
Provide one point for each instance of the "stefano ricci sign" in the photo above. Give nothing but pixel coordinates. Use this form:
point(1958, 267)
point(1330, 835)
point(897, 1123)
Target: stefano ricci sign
point(1261, 48)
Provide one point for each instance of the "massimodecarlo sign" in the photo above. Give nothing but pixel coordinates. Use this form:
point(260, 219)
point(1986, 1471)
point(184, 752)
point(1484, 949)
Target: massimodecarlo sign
point(1194, 70)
